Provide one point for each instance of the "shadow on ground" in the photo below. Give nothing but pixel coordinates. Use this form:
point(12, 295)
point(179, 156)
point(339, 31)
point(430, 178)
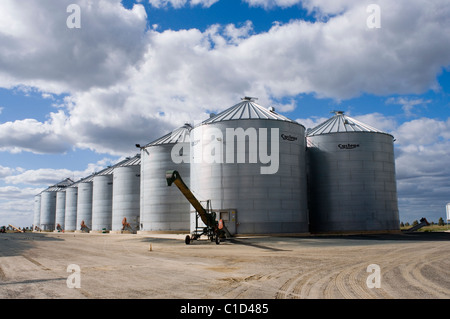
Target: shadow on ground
point(14, 244)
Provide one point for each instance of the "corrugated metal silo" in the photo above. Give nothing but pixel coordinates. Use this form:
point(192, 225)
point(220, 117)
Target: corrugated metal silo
point(165, 208)
point(84, 203)
point(126, 194)
point(251, 161)
point(351, 177)
point(37, 212)
point(60, 209)
point(102, 196)
point(48, 209)
point(70, 219)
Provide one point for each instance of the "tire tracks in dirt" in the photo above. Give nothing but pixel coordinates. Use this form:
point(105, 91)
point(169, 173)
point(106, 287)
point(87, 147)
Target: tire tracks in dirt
point(346, 276)
point(339, 279)
point(412, 273)
point(299, 285)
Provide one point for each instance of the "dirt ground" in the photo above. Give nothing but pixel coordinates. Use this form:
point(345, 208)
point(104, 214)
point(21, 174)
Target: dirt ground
point(127, 266)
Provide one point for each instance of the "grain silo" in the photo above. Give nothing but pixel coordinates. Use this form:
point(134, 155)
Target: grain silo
point(37, 212)
point(70, 218)
point(249, 162)
point(60, 209)
point(102, 202)
point(48, 209)
point(84, 204)
point(102, 199)
point(126, 195)
point(165, 208)
point(352, 182)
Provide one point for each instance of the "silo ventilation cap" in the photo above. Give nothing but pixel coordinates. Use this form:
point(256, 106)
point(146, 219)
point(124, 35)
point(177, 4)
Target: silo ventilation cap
point(249, 98)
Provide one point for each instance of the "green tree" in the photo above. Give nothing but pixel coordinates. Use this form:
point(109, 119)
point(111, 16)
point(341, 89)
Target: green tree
point(441, 221)
point(416, 222)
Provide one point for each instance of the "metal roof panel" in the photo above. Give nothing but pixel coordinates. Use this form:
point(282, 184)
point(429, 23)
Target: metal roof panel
point(247, 109)
point(341, 123)
point(181, 134)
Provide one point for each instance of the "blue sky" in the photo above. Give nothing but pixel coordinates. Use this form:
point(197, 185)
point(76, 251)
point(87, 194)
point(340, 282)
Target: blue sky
point(73, 101)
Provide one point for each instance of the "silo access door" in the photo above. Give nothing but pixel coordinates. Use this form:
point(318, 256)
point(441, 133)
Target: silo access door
point(229, 218)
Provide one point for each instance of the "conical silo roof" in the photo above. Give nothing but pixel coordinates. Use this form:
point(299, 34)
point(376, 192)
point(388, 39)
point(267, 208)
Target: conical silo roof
point(130, 161)
point(179, 135)
point(247, 109)
point(341, 123)
point(110, 169)
point(87, 179)
point(59, 186)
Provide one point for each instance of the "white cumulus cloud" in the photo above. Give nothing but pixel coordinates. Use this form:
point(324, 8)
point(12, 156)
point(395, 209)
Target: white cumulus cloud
point(130, 84)
point(38, 49)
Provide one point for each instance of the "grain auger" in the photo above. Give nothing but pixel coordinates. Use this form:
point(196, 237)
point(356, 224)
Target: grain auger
point(214, 229)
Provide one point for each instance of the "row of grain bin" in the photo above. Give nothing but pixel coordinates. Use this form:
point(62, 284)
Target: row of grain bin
point(99, 202)
point(260, 171)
